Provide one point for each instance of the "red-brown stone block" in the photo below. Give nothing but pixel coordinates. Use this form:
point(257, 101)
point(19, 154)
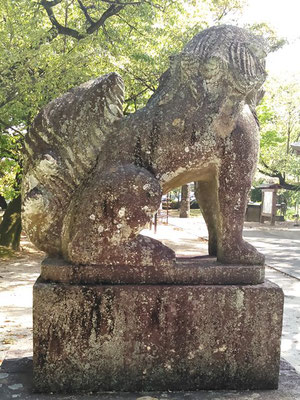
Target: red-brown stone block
point(156, 337)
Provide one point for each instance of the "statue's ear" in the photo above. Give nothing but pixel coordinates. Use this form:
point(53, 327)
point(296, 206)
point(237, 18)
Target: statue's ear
point(259, 50)
point(247, 63)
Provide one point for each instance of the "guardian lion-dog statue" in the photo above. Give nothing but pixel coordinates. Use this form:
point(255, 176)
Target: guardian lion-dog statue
point(93, 178)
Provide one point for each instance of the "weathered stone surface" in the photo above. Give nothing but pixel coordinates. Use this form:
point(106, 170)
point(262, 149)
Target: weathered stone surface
point(156, 337)
point(194, 271)
point(20, 370)
point(93, 178)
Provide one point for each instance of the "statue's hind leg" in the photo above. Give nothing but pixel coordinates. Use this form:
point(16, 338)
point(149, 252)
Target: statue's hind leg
point(206, 195)
point(106, 216)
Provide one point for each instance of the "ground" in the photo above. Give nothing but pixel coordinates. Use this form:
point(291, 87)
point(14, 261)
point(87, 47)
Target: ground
point(17, 276)
point(280, 244)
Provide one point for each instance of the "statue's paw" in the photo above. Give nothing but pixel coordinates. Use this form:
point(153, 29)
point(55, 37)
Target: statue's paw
point(150, 251)
point(140, 251)
point(241, 253)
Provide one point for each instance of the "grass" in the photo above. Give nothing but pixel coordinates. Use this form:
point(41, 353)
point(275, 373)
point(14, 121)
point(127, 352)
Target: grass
point(194, 213)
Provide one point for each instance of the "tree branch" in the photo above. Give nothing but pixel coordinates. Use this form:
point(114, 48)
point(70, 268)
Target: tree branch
point(274, 173)
point(144, 82)
point(7, 127)
point(60, 28)
point(133, 98)
point(222, 15)
point(159, 7)
point(112, 10)
point(85, 12)
point(11, 96)
point(126, 3)
point(50, 3)
point(277, 174)
point(132, 27)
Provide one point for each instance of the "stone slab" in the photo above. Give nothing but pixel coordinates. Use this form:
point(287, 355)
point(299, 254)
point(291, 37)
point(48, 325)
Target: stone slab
point(204, 270)
point(20, 371)
point(156, 337)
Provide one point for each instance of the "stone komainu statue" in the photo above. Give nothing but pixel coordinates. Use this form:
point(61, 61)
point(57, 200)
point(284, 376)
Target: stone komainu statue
point(93, 178)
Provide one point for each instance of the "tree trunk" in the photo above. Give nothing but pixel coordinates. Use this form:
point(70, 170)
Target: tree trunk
point(3, 203)
point(185, 201)
point(10, 227)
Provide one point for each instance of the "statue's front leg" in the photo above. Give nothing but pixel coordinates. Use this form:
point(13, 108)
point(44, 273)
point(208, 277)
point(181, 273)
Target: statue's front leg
point(106, 216)
point(235, 178)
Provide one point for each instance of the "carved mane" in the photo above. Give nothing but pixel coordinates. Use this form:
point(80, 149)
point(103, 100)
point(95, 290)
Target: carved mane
point(224, 48)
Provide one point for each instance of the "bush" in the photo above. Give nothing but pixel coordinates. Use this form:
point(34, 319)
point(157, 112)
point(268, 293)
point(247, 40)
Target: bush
point(256, 195)
point(194, 205)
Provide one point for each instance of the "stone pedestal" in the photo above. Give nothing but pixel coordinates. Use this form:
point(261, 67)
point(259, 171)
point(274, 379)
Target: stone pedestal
point(142, 337)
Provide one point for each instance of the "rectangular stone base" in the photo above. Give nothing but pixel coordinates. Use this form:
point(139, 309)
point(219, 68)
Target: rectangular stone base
point(156, 337)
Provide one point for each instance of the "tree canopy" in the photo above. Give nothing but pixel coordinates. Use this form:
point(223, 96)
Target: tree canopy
point(279, 115)
point(48, 47)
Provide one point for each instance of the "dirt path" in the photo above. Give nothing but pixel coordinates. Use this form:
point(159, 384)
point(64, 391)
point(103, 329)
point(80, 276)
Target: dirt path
point(17, 275)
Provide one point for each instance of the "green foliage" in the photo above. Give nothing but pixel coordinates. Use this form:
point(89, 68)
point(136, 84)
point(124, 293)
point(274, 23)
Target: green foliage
point(279, 116)
point(10, 227)
point(42, 58)
point(256, 195)
point(37, 67)
point(269, 34)
point(10, 166)
point(292, 198)
point(290, 215)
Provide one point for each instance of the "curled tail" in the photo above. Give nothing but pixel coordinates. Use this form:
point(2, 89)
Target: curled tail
point(61, 148)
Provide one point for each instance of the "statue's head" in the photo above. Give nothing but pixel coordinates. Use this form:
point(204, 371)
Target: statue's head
point(224, 53)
